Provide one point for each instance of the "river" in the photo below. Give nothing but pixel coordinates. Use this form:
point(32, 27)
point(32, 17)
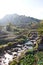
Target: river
point(7, 57)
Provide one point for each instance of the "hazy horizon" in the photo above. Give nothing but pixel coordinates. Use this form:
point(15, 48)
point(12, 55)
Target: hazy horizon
point(32, 8)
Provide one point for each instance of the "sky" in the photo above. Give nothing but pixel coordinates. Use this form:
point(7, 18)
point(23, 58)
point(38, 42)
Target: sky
point(32, 8)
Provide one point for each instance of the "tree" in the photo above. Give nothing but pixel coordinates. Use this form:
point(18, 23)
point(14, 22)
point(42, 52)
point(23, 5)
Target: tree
point(8, 27)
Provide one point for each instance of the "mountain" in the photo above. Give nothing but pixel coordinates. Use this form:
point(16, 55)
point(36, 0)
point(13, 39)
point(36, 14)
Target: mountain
point(18, 20)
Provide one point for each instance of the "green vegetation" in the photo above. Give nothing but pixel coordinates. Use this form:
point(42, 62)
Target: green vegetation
point(40, 28)
point(40, 58)
point(13, 63)
point(21, 40)
point(9, 44)
point(27, 59)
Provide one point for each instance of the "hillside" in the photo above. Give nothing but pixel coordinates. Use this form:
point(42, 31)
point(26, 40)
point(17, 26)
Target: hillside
point(19, 20)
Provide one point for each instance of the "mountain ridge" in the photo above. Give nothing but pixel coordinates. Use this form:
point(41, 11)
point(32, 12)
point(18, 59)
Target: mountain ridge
point(18, 19)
